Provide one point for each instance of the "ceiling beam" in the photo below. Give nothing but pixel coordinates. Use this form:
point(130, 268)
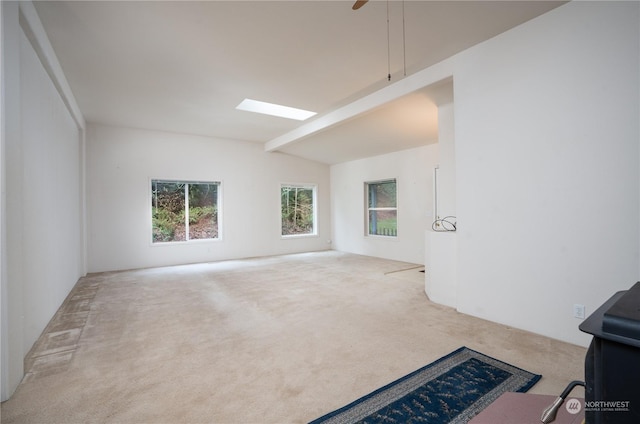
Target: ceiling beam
point(424, 78)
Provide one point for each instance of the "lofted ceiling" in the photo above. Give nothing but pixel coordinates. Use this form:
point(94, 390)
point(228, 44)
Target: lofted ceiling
point(183, 66)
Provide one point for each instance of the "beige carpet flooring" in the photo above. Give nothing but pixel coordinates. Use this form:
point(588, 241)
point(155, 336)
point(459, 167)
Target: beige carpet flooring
point(269, 340)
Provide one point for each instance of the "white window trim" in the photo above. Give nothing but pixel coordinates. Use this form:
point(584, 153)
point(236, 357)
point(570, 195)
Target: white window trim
point(367, 209)
point(186, 181)
point(314, 188)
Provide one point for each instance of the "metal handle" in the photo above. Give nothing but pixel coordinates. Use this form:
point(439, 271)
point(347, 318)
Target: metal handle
point(549, 414)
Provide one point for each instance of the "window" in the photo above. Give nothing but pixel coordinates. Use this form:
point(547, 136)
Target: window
point(382, 208)
point(183, 211)
point(298, 209)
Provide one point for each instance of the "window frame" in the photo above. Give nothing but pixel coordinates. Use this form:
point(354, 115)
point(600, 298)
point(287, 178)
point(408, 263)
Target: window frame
point(314, 189)
point(368, 209)
point(186, 182)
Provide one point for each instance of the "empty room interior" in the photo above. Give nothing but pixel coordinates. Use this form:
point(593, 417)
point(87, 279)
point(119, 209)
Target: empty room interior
point(458, 174)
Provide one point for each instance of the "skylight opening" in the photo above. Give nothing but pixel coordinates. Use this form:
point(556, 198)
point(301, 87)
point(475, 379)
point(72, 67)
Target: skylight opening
point(274, 110)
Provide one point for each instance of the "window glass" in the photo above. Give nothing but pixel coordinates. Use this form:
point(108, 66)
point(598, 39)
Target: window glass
point(382, 194)
point(183, 211)
point(203, 216)
point(297, 209)
point(382, 210)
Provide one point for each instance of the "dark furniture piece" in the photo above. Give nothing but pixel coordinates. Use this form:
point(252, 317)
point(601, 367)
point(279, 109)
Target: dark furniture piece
point(612, 364)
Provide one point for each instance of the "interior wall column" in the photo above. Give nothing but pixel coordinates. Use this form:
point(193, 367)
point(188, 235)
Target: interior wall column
point(11, 329)
point(441, 261)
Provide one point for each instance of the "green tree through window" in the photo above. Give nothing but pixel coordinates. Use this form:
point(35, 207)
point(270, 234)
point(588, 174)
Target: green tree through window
point(183, 211)
point(297, 210)
point(382, 208)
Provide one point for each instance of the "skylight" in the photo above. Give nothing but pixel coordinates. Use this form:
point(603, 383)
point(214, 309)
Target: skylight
point(275, 110)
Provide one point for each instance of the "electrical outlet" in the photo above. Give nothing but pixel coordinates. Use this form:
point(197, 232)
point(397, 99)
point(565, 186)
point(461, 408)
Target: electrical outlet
point(578, 311)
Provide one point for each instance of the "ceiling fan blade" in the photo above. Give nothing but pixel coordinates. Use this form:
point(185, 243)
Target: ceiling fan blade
point(358, 4)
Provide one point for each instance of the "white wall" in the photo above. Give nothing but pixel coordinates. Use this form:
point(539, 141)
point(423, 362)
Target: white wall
point(51, 196)
point(441, 249)
point(547, 148)
point(446, 191)
point(121, 163)
point(413, 170)
point(42, 202)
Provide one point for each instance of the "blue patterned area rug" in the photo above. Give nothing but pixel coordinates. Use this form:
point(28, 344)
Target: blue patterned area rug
point(451, 390)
